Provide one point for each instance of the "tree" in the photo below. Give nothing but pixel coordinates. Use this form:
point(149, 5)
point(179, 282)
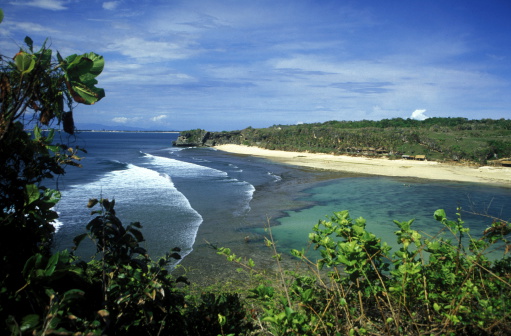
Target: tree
point(36, 89)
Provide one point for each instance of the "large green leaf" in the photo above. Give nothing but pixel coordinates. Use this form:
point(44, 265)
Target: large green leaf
point(77, 66)
point(98, 63)
point(81, 72)
point(85, 94)
point(32, 193)
point(24, 62)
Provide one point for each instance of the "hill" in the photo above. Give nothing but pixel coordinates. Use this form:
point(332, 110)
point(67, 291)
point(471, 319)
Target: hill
point(485, 141)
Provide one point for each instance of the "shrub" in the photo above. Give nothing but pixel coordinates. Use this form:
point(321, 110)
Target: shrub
point(434, 286)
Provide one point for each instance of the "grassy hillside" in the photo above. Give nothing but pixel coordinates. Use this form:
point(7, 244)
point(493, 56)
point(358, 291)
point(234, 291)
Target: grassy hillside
point(443, 139)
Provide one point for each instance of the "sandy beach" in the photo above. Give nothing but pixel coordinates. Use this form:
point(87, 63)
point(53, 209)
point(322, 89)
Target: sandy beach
point(500, 176)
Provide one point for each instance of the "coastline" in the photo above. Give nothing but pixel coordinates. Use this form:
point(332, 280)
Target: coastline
point(273, 201)
point(498, 176)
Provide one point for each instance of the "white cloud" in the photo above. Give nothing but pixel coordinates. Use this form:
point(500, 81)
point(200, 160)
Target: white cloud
point(149, 51)
point(110, 5)
point(44, 4)
point(29, 27)
point(419, 115)
point(126, 120)
point(120, 120)
point(159, 118)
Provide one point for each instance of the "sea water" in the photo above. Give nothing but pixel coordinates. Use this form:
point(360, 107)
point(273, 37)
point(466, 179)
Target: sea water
point(170, 190)
point(176, 192)
point(383, 200)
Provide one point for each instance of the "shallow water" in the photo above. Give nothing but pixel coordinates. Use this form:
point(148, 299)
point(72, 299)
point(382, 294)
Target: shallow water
point(381, 200)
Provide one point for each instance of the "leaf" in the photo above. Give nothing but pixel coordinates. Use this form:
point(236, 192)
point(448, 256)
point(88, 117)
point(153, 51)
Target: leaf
point(44, 57)
point(73, 294)
point(32, 193)
point(37, 132)
point(98, 63)
point(1, 15)
point(60, 59)
point(32, 263)
point(29, 43)
point(140, 250)
point(137, 234)
point(85, 94)
point(103, 313)
point(136, 224)
point(92, 202)
point(182, 279)
point(80, 77)
point(24, 62)
point(29, 322)
point(77, 65)
point(52, 264)
point(175, 256)
point(440, 215)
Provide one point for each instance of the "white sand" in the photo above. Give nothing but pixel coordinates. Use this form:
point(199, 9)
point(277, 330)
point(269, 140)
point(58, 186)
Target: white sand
point(381, 166)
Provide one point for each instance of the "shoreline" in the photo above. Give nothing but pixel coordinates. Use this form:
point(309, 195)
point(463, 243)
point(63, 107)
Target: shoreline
point(432, 170)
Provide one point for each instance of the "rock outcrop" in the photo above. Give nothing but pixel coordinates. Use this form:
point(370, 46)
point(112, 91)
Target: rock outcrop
point(202, 138)
point(193, 138)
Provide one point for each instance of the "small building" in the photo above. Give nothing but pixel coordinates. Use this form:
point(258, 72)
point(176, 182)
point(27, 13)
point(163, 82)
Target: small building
point(420, 157)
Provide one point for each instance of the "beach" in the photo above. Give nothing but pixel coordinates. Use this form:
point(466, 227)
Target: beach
point(433, 170)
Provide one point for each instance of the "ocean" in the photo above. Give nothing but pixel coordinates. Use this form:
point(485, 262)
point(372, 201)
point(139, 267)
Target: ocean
point(192, 198)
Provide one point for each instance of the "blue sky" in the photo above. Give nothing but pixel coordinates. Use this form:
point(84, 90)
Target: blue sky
point(226, 64)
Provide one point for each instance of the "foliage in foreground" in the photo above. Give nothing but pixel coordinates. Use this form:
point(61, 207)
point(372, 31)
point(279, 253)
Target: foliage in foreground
point(120, 292)
point(430, 286)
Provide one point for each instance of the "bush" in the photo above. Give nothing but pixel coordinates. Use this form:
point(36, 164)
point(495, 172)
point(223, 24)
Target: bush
point(432, 286)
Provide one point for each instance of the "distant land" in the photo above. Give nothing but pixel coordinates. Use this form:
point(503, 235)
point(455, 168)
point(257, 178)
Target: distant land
point(88, 127)
point(115, 128)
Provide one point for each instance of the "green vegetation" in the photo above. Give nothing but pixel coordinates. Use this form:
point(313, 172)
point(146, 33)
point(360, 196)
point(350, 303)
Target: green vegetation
point(431, 285)
point(449, 139)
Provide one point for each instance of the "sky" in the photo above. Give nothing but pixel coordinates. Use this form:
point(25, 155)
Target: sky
point(230, 64)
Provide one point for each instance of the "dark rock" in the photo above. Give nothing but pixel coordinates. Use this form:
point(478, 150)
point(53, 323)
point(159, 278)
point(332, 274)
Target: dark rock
point(202, 138)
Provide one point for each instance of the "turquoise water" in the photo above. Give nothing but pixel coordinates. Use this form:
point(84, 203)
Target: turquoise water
point(380, 200)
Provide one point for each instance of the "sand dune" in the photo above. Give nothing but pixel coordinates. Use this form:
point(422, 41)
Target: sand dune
point(381, 166)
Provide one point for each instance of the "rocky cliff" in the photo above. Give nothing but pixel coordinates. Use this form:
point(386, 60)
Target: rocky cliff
point(202, 138)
